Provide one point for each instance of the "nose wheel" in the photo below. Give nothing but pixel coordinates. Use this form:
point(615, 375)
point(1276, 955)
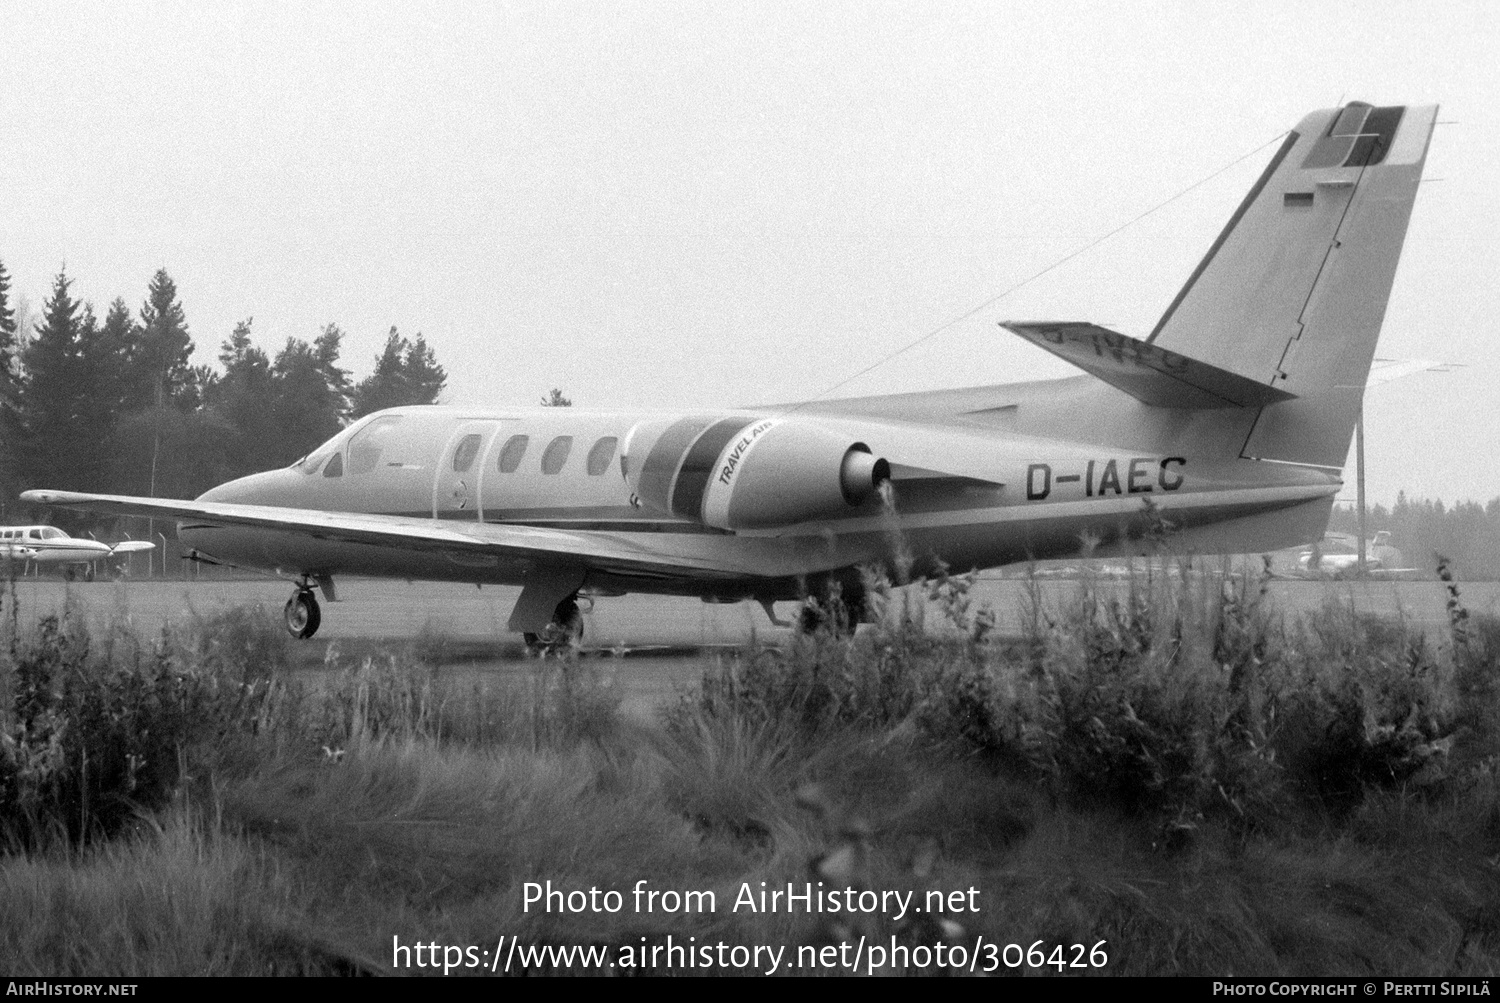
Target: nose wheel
point(302, 614)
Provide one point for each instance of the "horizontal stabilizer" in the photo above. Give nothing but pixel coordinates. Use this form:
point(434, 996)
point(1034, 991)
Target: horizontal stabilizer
point(1150, 374)
point(1390, 370)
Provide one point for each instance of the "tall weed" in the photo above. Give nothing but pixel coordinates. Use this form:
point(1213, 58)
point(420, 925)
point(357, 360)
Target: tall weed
point(1179, 695)
point(95, 730)
point(389, 695)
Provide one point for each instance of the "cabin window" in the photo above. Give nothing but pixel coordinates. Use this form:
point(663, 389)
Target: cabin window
point(463, 456)
point(36, 534)
point(556, 454)
point(335, 466)
point(370, 442)
point(510, 456)
point(601, 454)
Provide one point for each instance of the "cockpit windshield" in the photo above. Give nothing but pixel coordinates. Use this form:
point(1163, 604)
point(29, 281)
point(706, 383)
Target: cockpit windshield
point(310, 463)
point(359, 438)
point(367, 445)
point(368, 442)
point(313, 462)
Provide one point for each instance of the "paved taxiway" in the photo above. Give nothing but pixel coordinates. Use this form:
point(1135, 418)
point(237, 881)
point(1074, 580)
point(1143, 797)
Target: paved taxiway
point(656, 644)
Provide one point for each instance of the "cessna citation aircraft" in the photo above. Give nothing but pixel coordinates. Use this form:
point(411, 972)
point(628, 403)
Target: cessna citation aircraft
point(1229, 423)
point(50, 547)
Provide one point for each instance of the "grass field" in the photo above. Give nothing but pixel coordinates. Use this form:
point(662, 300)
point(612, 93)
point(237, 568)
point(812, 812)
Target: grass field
point(1166, 778)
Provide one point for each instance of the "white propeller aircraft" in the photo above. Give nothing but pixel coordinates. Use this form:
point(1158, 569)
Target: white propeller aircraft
point(1229, 424)
point(50, 547)
point(1338, 555)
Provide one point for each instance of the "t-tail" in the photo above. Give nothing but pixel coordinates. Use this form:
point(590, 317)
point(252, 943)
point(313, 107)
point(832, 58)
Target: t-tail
point(1283, 313)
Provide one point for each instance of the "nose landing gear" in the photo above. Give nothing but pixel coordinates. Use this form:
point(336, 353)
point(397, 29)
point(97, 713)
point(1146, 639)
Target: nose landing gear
point(302, 613)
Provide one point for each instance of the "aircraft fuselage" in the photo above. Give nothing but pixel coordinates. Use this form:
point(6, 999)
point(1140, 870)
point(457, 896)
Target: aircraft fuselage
point(48, 545)
point(962, 495)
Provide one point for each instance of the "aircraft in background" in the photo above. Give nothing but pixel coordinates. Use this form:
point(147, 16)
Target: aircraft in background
point(49, 547)
point(1227, 428)
point(1338, 556)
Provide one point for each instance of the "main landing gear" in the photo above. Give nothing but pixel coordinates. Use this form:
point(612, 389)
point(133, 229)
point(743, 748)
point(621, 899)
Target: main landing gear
point(302, 613)
point(834, 611)
point(565, 630)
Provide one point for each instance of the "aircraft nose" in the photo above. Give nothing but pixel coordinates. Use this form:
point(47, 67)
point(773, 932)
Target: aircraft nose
point(273, 487)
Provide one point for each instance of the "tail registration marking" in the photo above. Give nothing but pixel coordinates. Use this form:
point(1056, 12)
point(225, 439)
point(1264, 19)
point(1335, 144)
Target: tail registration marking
point(1115, 477)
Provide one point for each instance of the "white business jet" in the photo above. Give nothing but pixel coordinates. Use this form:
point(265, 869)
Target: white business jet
point(1226, 428)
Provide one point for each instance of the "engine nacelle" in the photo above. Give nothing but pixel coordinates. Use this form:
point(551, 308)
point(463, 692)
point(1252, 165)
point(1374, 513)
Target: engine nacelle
point(739, 472)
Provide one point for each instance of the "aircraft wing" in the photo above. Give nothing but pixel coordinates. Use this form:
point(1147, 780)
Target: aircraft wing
point(590, 548)
point(1148, 373)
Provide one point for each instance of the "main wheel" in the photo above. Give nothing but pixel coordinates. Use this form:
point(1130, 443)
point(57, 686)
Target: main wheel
point(565, 630)
point(839, 615)
point(302, 614)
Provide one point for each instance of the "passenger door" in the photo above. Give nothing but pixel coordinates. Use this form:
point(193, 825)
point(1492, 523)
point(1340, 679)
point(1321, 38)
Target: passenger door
point(456, 487)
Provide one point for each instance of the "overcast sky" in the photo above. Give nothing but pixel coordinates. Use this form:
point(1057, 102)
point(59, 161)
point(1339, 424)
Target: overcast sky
point(693, 204)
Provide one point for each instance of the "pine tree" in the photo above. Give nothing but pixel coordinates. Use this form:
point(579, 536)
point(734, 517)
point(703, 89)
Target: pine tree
point(97, 375)
point(326, 352)
point(158, 366)
point(62, 431)
point(237, 351)
point(385, 387)
point(8, 380)
point(8, 345)
point(117, 339)
point(406, 372)
point(309, 394)
point(425, 379)
point(242, 398)
point(556, 399)
point(159, 369)
point(167, 443)
point(45, 408)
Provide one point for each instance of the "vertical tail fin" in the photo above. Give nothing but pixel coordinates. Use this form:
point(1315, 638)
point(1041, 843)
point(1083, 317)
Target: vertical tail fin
point(1293, 292)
